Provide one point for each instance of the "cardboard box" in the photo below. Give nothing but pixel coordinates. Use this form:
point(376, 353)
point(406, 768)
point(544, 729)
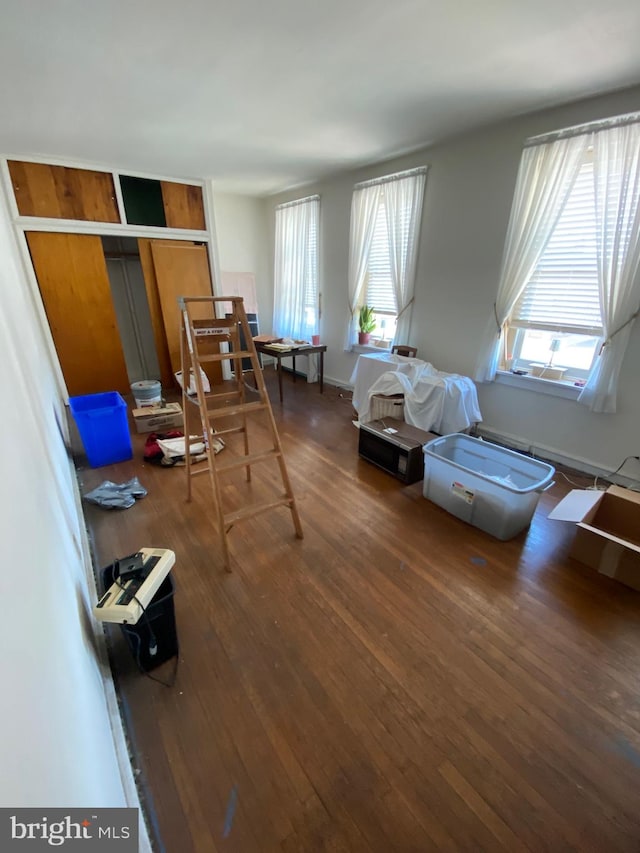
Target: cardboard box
point(158, 418)
point(608, 534)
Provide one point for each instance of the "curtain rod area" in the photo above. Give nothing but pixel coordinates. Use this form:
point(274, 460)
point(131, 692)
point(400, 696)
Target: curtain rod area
point(583, 129)
point(304, 200)
point(420, 170)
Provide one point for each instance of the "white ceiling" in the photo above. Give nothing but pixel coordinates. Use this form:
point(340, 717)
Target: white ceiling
point(265, 94)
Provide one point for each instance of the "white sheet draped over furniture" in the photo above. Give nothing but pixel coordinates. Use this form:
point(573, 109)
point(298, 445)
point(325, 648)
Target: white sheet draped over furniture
point(433, 401)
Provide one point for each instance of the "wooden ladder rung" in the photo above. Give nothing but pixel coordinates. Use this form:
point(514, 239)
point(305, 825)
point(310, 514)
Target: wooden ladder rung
point(256, 509)
point(222, 395)
point(200, 471)
point(211, 410)
point(224, 356)
point(248, 459)
point(237, 409)
point(227, 395)
point(218, 433)
point(214, 322)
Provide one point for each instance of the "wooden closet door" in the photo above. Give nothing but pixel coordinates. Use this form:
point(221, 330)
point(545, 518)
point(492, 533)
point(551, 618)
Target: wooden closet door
point(155, 310)
point(181, 269)
point(74, 284)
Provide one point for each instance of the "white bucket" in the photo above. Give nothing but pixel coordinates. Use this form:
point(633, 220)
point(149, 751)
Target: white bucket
point(147, 392)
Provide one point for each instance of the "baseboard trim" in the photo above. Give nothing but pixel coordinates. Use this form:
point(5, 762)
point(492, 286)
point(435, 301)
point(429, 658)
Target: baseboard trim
point(119, 736)
point(551, 454)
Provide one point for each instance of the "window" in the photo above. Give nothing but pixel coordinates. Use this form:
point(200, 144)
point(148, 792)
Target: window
point(569, 290)
point(555, 328)
point(379, 292)
point(295, 312)
point(385, 226)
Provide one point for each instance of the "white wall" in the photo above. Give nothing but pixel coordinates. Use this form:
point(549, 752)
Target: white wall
point(242, 237)
point(469, 190)
point(59, 743)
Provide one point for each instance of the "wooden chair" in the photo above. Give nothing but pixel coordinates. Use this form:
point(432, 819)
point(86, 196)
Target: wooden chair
point(401, 349)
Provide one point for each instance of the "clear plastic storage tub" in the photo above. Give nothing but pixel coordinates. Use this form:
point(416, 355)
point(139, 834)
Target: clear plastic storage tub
point(490, 487)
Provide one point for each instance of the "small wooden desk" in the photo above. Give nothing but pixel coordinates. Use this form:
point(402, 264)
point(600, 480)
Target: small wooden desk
point(279, 354)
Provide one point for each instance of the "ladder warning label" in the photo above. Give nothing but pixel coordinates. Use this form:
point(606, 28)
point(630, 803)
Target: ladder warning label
point(210, 331)
point(463, 492)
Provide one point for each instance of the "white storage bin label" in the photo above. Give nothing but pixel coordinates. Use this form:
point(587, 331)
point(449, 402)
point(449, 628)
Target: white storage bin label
point(463, 492)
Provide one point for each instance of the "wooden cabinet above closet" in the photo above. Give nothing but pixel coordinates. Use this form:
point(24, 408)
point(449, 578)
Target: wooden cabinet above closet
point(166, 204)
point(60, 192)
point(63, 192)
point(183, 206)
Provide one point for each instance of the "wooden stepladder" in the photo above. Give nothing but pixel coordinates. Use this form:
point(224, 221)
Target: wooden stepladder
point(205, 339)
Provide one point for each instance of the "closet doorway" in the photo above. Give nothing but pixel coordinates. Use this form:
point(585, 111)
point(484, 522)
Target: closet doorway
point(129, 295)
point(112, 305)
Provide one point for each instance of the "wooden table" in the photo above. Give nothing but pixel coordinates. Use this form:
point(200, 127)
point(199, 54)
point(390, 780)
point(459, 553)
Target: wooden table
point(279, 354)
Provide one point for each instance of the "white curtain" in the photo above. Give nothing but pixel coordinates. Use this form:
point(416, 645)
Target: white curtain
point(295, 272)
point(546, 175)
point(403, 207)
point(364, 207)
point(295, 304)
point(616, 153)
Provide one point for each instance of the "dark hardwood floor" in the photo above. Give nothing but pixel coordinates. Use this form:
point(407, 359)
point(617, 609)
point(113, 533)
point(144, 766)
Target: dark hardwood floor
point(395, 681)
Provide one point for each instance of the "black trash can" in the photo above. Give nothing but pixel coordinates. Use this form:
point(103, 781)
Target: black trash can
point(154, 638)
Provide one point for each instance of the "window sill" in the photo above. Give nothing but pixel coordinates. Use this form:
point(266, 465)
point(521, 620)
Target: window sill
point(541, 386)
point(361, 349)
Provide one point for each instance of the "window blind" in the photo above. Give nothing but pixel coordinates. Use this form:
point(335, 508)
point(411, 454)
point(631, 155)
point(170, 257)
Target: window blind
point(562, 293)
point(380, 292)
point(310, 284)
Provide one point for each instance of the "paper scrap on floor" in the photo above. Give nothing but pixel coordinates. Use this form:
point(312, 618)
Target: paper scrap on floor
point(176, 447)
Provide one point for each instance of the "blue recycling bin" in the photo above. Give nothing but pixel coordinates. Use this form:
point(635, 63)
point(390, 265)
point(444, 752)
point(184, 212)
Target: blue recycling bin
point(103, 427)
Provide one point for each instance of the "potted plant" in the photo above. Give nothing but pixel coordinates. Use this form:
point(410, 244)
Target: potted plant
point(366, 324)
